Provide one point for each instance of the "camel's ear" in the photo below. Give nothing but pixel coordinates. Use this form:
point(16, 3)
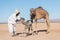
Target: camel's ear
point(40, 7)
point(31, 10)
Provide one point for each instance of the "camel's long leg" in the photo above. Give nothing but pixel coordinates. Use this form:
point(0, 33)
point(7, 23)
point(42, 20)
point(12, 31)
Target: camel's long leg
point(48, 24)
point(31, 26)
point(36, 26)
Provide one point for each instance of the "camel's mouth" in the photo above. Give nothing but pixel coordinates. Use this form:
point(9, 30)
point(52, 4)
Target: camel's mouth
point(33, 16)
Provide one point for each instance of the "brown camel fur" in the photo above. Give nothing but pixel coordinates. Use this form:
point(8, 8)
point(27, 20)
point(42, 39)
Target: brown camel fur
point(38, 13)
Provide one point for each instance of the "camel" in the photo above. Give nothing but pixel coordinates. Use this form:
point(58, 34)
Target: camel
point(27, 24)
point(38, 13)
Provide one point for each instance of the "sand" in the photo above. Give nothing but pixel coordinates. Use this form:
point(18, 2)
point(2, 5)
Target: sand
point(53, 35)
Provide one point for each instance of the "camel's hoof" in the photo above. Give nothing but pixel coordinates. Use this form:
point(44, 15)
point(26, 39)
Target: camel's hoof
point(47, 32)
point(36, 33)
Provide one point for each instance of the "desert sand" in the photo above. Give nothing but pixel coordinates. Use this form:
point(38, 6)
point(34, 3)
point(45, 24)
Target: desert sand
point(53, 35)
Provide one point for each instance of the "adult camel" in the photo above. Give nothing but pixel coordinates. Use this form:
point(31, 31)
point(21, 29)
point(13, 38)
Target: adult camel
point(38, 13)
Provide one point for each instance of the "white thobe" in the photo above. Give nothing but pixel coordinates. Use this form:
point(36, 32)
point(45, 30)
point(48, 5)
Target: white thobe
point(12, 22)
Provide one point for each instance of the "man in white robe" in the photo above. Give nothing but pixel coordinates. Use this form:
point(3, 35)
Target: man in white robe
point(12, 20)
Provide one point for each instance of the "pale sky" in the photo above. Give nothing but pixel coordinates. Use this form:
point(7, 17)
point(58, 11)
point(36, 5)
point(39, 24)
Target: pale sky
point(7, 8)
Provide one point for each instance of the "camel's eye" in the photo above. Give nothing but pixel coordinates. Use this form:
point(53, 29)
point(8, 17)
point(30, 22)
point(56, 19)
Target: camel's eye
point(32, 12)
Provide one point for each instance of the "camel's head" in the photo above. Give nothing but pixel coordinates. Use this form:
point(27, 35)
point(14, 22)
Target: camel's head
point(32, 11)
point(22, 20)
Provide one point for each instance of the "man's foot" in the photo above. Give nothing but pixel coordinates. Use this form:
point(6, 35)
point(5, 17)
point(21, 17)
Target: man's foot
point(13, 35)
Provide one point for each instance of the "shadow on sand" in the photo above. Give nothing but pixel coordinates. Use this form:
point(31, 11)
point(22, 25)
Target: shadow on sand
point(29, 34)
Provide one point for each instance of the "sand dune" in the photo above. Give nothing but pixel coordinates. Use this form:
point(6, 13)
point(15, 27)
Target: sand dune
point(53, 35)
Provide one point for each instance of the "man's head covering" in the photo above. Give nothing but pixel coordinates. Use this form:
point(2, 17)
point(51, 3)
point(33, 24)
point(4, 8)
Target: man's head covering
point(16, 11)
